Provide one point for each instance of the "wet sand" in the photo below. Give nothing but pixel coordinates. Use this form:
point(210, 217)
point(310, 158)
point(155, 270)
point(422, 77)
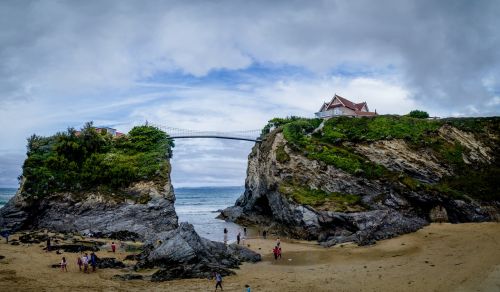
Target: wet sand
point(440, 257)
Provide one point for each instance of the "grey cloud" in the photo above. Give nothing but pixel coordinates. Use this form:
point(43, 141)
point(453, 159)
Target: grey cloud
point(445, 51)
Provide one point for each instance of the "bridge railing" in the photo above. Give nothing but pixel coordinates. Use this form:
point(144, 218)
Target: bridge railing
point(178, 133)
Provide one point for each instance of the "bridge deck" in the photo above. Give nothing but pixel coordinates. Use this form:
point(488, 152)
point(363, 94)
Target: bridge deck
point(214, 136)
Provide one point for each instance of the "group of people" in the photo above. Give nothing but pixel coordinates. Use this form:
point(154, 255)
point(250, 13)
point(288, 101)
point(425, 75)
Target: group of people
point(86, 260)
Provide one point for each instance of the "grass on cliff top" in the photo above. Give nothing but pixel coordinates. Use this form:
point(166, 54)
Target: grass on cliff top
point(321, 200)
point(91, 160)
point(328, 145)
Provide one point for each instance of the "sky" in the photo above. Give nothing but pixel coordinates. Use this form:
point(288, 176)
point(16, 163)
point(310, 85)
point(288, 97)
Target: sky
point(234, 65)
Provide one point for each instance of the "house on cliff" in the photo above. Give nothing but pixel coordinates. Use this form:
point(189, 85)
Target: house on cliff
point(111, 131)
point(340, 106)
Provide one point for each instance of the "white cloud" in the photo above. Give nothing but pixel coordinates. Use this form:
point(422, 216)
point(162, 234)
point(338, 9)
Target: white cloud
point(230, 65)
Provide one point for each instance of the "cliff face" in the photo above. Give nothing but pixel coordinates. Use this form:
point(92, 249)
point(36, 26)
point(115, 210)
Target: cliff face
point(144, 208)
point(291, 193)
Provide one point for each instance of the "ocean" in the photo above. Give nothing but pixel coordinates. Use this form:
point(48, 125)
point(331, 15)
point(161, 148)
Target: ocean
point(197, 206)
point(5, 195)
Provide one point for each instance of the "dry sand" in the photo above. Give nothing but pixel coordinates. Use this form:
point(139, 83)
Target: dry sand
point(440, 257)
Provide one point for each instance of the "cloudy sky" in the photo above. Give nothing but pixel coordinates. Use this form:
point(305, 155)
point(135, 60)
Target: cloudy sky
point(233, 65)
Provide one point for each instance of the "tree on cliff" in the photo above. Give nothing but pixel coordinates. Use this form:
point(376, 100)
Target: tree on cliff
point(418, 114)
point(89, 159)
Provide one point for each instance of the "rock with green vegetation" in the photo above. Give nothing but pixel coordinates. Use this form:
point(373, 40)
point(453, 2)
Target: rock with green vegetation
point(90, 182)
point(365, 179)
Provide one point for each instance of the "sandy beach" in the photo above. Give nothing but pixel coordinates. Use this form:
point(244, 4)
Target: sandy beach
point(440, 257)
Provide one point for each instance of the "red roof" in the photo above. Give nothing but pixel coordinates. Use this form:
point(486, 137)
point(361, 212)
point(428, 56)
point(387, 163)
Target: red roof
point(347, 103)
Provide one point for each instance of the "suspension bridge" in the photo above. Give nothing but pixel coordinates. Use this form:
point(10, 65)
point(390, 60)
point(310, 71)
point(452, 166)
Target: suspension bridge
point(246, 135)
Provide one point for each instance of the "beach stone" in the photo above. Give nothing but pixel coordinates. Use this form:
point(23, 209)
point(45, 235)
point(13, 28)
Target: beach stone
point(133, 257)
point(74, 248)
point(128, 277)
point(109, 263)
point(123, 235)
point(2, 257)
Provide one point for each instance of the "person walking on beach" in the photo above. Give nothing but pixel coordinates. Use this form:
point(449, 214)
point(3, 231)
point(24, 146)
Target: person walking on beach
point(275, 252)
point(64, 265)
point(238, 238)
point(218, 281)
point(48, 244)
point(278, 242)
point(225, 236)
point(93, 261)
point(113, 247)
point(79, 263)
point(279, 252)
point(85, 261)
point(264, 233)
point(248, 288)
point(245, 231)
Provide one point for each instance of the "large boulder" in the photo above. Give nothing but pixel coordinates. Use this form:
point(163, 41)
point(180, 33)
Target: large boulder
point(182, 253)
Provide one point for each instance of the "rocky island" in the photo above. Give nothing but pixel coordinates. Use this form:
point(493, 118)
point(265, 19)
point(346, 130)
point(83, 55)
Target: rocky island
point(366, 179)
point(89, 182)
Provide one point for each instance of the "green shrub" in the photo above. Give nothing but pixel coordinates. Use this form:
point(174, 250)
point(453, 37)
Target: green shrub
point(281, 154)
point(94, 160)
point(322, 200)
point(418, 114)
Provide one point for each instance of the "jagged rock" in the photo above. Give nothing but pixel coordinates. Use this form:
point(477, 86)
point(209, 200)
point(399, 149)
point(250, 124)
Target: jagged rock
point(74, 248)
point(133, 257)
point(94, 213)
point(33, 238)
point(127, 277)
point(109, 263)
point(244, 254)
point(183, 253)
point(123, 235)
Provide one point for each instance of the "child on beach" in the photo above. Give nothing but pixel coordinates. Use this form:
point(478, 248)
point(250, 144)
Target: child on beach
point(79, 263)
point(85, 261)
point(64, 265)
point(238, 238)
point(278, 241)
point(113, 246)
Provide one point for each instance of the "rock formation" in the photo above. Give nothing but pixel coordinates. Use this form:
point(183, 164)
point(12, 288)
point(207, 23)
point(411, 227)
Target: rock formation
point(143, 210)
point(388, 206)
point(92, 212)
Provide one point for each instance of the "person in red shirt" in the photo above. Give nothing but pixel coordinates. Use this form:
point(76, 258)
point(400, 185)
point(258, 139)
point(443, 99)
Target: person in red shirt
point(275, 252)
point(113, 246)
